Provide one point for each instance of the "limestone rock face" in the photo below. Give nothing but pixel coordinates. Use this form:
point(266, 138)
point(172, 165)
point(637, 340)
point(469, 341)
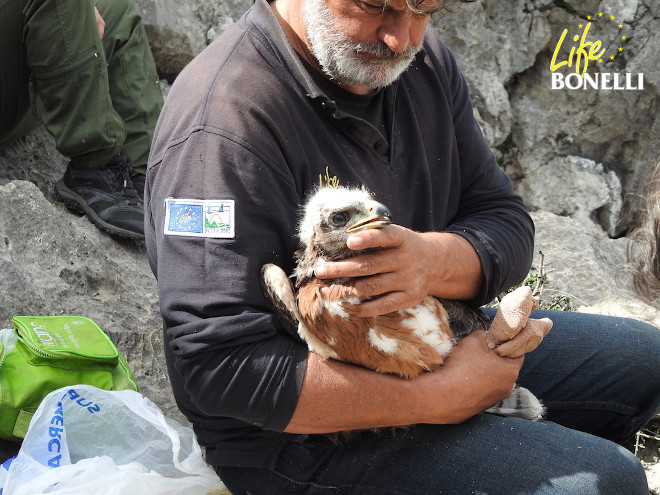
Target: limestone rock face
point(583, 263)
point(493, 42)
point(179, 30)
point(55, 262)
point(575, 187)
point(505, 50)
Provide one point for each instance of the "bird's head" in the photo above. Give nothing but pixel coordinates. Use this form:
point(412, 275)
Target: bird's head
point(329, 217)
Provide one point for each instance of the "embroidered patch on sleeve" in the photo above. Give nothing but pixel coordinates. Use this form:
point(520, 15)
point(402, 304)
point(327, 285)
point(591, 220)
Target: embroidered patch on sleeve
point(199, 218)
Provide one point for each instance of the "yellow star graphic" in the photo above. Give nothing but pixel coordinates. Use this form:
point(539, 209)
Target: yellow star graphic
point(611, 18)
point(588, 17)
point(600, 60)
point(620, 49)
point(620, 26)
point(580, 26)
point(600, 14)
point(623, 38)
point(612, 57)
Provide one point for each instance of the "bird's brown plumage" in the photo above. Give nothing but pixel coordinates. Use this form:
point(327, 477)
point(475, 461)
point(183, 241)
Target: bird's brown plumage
point(404, 343)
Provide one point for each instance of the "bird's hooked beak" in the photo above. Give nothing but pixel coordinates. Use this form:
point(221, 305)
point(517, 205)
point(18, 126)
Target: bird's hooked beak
point(378, 216)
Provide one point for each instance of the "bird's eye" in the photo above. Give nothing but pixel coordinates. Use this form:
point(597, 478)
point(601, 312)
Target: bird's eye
point(339, 219)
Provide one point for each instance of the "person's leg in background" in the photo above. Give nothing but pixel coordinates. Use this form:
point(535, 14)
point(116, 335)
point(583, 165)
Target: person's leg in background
point(134, 87)
point(16, 118)
point(70, 80)
point(82, 102)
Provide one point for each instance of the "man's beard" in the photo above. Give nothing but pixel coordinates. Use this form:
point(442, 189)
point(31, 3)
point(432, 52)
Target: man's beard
point(340, 57)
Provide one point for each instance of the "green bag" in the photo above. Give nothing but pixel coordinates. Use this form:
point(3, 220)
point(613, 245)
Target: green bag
point(43, 353)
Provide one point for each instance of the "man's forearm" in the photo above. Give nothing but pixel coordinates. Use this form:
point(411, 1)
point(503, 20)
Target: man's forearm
point(458, 274)
point(337, 396)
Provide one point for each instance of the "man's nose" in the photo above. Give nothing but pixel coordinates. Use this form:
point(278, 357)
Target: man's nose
point(395, 31)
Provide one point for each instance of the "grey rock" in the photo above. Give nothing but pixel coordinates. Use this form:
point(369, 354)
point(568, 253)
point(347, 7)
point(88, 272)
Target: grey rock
point(583, 263)
point(33, 158)
point(575, 187)
point(486, 39)
point(505, 51)
point(178, 31)
point(54, 262)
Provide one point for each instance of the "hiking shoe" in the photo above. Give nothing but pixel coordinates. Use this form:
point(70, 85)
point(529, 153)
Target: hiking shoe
point(138, 183)
point(107, 196)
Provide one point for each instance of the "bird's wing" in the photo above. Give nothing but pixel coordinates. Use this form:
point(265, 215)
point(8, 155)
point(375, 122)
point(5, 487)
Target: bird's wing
point(464, 319)
point(278, 289)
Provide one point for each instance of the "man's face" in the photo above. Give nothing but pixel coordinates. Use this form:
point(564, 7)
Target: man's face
point(363, 44)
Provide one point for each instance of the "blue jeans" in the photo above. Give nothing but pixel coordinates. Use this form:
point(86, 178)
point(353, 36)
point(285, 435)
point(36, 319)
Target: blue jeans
point(599, 378)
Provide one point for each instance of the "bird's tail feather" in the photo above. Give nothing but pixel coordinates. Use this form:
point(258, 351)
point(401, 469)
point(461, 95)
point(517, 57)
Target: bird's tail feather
point(521, 404)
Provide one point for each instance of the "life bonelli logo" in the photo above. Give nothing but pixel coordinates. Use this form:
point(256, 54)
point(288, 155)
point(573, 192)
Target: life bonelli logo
point(587, 53)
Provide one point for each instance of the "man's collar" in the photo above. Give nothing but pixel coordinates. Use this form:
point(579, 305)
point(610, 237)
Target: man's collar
point(280, 42)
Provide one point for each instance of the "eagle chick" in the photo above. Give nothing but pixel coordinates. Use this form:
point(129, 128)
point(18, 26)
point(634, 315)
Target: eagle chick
point(405, 342)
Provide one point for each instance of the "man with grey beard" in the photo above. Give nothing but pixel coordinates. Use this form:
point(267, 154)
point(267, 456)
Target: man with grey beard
point(306, 93)
point(342, 59)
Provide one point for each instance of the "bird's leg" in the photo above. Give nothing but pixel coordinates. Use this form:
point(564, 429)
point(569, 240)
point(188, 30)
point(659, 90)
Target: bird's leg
point(513, 332)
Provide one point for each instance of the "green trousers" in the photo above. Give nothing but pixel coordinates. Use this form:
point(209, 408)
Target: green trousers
point(97, 97)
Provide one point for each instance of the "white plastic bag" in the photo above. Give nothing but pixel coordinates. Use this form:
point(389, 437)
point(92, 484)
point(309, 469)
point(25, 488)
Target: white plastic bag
point(85, 440)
